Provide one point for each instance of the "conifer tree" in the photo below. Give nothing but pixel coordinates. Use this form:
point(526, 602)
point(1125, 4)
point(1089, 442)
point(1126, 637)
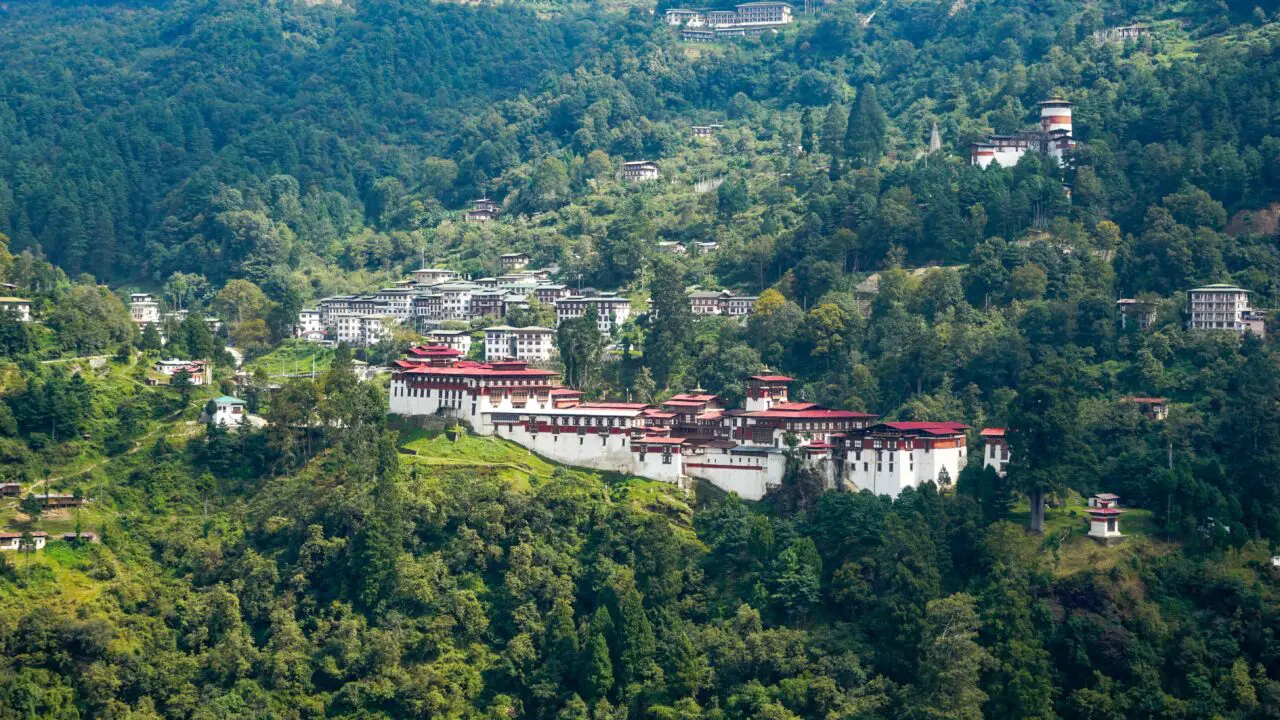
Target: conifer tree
point(866, 138)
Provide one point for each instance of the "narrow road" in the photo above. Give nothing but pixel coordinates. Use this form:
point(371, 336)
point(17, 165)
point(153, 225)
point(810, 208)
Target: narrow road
point(236, 355)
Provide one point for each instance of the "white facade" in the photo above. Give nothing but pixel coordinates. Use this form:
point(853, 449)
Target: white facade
point(1104, 523)
point(532, 344)
point(12, 542)
point(364, 330)
point(1221, 307)
point(20, 307)
point(640, 170)
point(459, 340)
point(227, 411)
point(433, 275)
point(891, 457)
point(144, 309)
point(995, 450)
point(308, 323)
point(611, 311)
point(1054, 138)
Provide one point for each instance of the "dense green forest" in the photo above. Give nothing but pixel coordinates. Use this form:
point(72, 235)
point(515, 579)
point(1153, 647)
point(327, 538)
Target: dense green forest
point(246, 158)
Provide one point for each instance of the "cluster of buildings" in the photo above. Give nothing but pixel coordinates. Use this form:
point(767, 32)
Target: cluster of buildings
point(691, 435)
point(1053, 138)
point(144, 310)
point(199, 372)
point(752, 18)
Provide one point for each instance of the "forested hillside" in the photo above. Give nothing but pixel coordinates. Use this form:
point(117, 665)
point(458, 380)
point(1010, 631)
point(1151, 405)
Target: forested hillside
point(243, 159)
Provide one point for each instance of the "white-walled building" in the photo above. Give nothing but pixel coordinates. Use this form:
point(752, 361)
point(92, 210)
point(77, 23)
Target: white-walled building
point(640, 171)
point(198, 371)
point(20, 307)
point(428, 275)
point(227, 411)
point(1223, 307)
point(612, 311)
point(364, 330)
point(12, 541)
point(459, 340)
point(890, 457)
point(514, 261)
point(722, 302)
point(532, 344)
point(144, 309)
point(995, 450)
point(308, 322)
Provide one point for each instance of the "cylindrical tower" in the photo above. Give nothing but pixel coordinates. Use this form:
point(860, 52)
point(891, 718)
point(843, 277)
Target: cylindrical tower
point(1055, 114)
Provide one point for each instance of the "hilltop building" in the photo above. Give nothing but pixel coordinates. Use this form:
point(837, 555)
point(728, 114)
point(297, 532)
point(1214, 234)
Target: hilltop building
point(198, 371)
point(640, 171)
point(514, 261)
point(20, 307)
point(482, 210)
point(744, 16)
point(1054, 138)
point(144, 309)
point(1104, 518)
point(723, 302)
point(706, 131)
point(1141, 312)
point(1224, 307)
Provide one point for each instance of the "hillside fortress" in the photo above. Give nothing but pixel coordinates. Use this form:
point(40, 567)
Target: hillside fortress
point(1054, 138)
point(691, 435)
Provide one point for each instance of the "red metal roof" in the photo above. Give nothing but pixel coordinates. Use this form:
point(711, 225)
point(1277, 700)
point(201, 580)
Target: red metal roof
point(692, 397)
point(772, 378)
point(992, 432)
point(811, 414)
point(479, 370)
point(566, 391)
point(794, 406)
point(1148, 399)
point(434, 351)
point(1103, 511)
point(931, 428)
point(614, 405)
point(654, 413)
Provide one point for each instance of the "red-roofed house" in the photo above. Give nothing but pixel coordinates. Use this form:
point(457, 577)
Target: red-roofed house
point(1104, 524)
point(995, 449)
point(434, 355)
point(1152, 408)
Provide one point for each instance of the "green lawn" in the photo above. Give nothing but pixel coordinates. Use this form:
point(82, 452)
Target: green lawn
point(294, 356)
point(1068, 527)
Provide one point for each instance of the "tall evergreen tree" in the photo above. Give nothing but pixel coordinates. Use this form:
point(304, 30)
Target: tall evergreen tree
point(866, 139)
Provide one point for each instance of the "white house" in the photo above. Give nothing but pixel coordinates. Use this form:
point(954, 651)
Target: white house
point(20, 307)
point(198, 371)
point(12, 541)
point(144, 309)
point(227, 411)
point(308, 322)
point(640, 170)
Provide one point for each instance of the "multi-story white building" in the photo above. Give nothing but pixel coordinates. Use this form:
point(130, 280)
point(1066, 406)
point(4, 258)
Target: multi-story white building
point(612, 311)
point(20, 307)
point(364, 330)
point(455, 300)
point(890, 457)
point(763, 13)
point(144, 309)
point(640, 170)
point(1223, 307)
point(309, 322)
point(532, 344)
point(995, 450)
point(459, 340)
point(723, 302)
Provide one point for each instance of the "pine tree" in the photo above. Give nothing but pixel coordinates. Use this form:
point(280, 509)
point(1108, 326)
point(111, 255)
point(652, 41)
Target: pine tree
point(866, 138)
point(597, 673)
point(671, 327)
point(806, 131)
point(951, 662)
point(560, 642)
point(833, 131)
